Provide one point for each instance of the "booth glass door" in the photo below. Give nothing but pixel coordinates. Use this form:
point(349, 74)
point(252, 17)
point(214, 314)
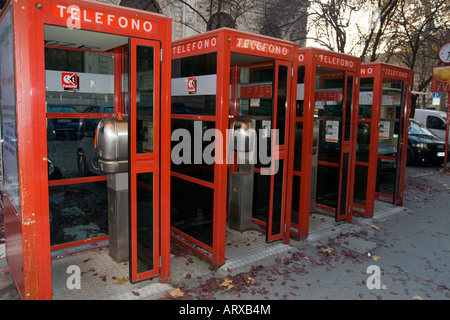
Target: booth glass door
point(278, 175)
point(332, 131)
point(391, 141)
point(263, 95)
point(144, 93)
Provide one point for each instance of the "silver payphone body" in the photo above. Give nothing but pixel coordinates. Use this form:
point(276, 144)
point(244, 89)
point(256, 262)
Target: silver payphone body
point(240, 201)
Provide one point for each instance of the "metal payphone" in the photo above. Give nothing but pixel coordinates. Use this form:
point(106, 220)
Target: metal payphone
point(111, 154)
point(240, 193)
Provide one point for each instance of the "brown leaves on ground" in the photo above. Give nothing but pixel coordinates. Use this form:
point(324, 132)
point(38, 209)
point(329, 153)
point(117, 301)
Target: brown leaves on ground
point(240, 283)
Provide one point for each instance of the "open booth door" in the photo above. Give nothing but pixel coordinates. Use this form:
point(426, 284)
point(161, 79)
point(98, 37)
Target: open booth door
point(144, 159)
point(275, 227)
point(334, 108)
point(343, 209)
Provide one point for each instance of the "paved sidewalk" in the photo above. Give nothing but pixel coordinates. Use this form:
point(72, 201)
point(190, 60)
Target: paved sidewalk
point(410, 245)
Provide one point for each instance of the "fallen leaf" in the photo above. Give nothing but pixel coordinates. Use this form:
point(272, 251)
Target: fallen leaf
point(121, 281)
point(417, 298)
point(226, 282)
point(384, 287)
point(176, 293)
point(376, 258)
point(374, 227)
point(137, 294)
point(249, 280)
point(329, 250)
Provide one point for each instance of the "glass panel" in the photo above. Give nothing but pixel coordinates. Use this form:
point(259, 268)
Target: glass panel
point(363, 142)
point(192, 209)
point(330, 139)
point(70, 137)
point(343, 186)
point(78, 211)
point(327, 185)
point(144, 99)
point(278, 188)
point(145, 222)
point(195, 66)
point(386, 176)
point(328, 127)
point(282, 102)
point(255, 91)
point(295, 199)
point(360, 184)
point(348, 108)
point(298, 146)
point(300, 91)
point(261, 196)
point(198, 105)
point(191, 155)
point(264, 143)
point(200, 99)
point(399, 174)
point(366, 98)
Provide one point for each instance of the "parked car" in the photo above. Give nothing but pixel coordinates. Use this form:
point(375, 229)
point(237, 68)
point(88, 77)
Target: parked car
point(434, 120)
point(423, 145)
point(63, 128)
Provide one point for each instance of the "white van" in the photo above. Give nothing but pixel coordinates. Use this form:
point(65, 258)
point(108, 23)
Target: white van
point(434, 120)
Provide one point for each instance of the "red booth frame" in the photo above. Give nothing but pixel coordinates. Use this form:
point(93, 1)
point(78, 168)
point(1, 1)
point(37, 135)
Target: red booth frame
point(379, 71)
point(227, 42)
point(27, 234)
point(312, 58)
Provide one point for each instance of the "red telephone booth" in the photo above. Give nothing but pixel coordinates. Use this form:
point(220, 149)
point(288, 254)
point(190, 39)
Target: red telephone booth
point(65, 65)
point(382, 142)
point(322, 136)
point(221, 78)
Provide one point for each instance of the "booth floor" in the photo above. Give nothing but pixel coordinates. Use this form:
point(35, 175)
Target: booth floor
point(102, 278)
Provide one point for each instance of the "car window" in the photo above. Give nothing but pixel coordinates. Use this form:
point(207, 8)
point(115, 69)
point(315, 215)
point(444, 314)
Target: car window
point(417, 128)
point(109, 110)
point(91, 110)
point(435, 123)
point(61, 109)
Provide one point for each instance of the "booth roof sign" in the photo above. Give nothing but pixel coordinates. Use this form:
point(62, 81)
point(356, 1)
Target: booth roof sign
point(396, 73)
point(194, 46)
point(370, 71)
point(260, 46)
point(331, 61)
point(75, 15)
